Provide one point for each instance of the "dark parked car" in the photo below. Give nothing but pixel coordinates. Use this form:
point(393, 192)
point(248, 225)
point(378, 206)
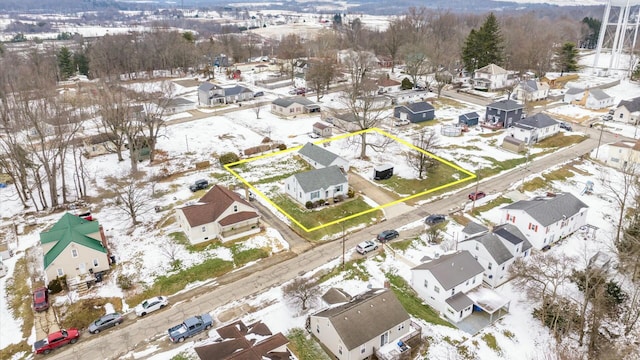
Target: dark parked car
point(477, 195)
point(565, 126)
point(106, 322)
point(258, 93)
point(199, 185)
point(41, 299)
point(434, 219)
point(387, 235)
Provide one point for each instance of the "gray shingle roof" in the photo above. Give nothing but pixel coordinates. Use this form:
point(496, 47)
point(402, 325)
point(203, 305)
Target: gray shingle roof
point(473, 228)
point(236, 90)
point(471, 115)
point(336, 296)
point(574, 91)
point(453, 269)
point(320, 178)
point(318, 154)
point(494, 247)
point(505, 105)
point(632, 105)
point(459, 301)
point(529, 85)
point(418, 107)
point(510, 233)
point(550, 210)
point(538, 120)
point(206, 86)
point(599, 94)
point(288, 101)
point(366, 317)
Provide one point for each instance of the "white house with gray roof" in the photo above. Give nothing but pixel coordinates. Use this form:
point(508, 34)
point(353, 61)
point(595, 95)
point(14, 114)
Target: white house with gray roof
point(210, 94)
point(531, 90)
point(443, 283)
point(589, 98)
point(355, 330)
point(535, 128)
point(628, 111)
point(319, 184)
point(319, 157)
point(496, 250)
point(546, 219)
point(291, 106)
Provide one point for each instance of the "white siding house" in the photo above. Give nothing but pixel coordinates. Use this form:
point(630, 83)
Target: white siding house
point(318, 184)
point(546, 219)
point(628, 111)
point(319, 157)
point(491, 77)
point(533, 129)
point(443, 282)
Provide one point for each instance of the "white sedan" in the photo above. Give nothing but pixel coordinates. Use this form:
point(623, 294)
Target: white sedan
point(151, 305)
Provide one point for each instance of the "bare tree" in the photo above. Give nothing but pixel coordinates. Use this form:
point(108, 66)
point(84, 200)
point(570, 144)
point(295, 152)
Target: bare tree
point(622, 191)
point(171, 250)
point(256, 110)
point(427, 140)
point(132, 198)
point(301, 292)
point(155, 104)
point(290, 49)
point(320, 74)
point(114, 119)
point(416, 61)
point(393, 39)
point(434, 235)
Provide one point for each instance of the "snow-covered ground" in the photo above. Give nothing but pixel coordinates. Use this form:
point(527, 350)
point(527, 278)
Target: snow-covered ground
point(192, 141)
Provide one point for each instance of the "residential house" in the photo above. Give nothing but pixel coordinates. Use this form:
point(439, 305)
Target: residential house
point(531, 90)
point(211, 94)
point(345, 121)
point(628, 111)
point(220, 213)
point(237, 341)
point(546, 219)
point(535, 128)
point(374, 101)
point(74, 247)
point(443, 282)
point(319, 184)
point(319, 157)
point(386, 85)
point(573, 94)
point(621, 154)
point(491, 77)
point(469, 119)
point(100, 144)
point(336, 296)
point(407, 96)
point(503, 113)
point(355, 330)
point(291, 106)
point(179, 105)
point(321, 129)
point(415, 112)
point(496, 250)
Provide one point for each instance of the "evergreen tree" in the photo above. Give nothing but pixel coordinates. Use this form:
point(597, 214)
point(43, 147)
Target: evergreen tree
point(567, 57)
point(81, 63)
point(483, 46)
point(65, 63)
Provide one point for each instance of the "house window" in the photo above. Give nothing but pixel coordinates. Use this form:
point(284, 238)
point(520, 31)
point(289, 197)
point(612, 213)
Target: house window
point(95, 262)
point(340, 349)
point(235, 208)
point(288, 187)
point(426, 284)
point(204, 229)
point(74, 253)
point(315, 195)
point(477, 246)
point(363, 348)
point(502, 267)
point(60, 272)
point(338, 188)
point(436, 289)
point(453, 291)
point(401, 326)
point(490, 266)
point(318, 328)
point(467, 283)
point(474, 280)
point(300, 195)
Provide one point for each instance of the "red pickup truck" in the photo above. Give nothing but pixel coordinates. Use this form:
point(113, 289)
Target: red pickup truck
point(56, 340)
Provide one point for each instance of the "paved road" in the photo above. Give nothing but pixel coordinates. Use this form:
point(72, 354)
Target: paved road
point(281, 268)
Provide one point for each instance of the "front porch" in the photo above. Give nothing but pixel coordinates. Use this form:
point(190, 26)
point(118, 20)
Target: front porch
point(235, 232)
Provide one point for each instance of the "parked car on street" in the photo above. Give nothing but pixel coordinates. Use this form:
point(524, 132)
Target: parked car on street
point(151, 305)
point(564, 125)
point(258, 93)
point(105, 322)
point(56, 340)
point(366, 246)
point(477, 195)
point(401, 122)
point(435, 219)
point(41, 299)
point(387, 235)
point(199, 185)
point(190, 327)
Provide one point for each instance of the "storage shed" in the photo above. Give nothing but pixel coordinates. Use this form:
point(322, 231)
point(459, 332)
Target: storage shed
point(469, 119)
point(514, 145)
point(382, 172)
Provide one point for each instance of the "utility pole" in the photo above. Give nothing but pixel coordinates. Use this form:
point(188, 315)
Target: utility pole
point(344, 237)
point(599, 139)
point(475, 194)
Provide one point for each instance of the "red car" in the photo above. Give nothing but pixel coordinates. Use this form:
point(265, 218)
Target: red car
point(477, 195)
point(41, 299)
point(56, 340)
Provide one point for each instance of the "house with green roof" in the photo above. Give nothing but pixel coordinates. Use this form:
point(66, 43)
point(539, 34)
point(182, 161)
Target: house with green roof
point(74, 247)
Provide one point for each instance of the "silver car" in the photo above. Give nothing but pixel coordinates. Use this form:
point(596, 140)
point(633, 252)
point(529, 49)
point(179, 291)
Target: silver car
point(366, 246)
point(106, 322)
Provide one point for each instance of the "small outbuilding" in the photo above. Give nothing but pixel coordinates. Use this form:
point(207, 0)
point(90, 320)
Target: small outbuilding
point(514, 145)
point(469, 119)
point(383, 172)
point(321, 129)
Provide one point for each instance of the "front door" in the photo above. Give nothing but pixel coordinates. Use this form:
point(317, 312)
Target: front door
point(384, 339)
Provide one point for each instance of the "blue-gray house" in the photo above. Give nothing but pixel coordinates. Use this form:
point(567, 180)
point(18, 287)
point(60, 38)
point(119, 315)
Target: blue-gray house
point(469, 119)
point(503, 113)
point(415, 112)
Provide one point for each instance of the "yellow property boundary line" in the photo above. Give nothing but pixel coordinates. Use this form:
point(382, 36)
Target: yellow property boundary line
point(228, 167)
